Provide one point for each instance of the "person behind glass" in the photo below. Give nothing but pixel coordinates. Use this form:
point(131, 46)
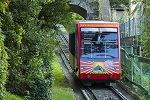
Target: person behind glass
point(97, 40)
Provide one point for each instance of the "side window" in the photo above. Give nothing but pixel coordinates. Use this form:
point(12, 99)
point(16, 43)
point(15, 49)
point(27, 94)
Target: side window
point(76, 42)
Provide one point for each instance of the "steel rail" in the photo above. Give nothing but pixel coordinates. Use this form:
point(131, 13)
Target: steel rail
point(62, 55)
point(118, 93)
point(93, 97)
point(61, 49)
point(65, 39)
point(89, 95)
point(87, 92)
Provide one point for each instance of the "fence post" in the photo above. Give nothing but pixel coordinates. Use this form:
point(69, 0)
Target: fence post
point(141, 73)
point(149, 87)
point(140, 51)
point(132, 68)
point(132, 52)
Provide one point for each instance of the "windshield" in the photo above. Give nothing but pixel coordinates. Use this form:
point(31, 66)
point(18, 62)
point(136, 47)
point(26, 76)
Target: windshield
point(99, 43)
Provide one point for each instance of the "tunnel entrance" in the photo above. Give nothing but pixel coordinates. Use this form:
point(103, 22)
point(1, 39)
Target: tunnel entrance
point(79, 10)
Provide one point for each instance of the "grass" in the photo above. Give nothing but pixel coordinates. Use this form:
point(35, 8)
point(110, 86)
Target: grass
point(60, 88)
point(10, 96)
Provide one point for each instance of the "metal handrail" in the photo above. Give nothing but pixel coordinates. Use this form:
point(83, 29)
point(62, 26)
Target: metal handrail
point(133, 64)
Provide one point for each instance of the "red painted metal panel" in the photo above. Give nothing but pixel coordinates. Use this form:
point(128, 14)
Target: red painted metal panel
point(89, 76)
point(119, 46)
point(79, 45)
point(100, 77)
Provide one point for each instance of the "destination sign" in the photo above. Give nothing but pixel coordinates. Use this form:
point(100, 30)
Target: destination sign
point(98, 25)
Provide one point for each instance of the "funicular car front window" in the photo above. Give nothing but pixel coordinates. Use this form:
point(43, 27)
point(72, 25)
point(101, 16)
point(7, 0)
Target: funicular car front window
point(99, 43)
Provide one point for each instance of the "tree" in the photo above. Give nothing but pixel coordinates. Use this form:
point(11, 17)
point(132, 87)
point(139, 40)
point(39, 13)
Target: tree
point(145, 37)
point(3, 53)
point(70, 21)
point(116, 3)
point(29, 28)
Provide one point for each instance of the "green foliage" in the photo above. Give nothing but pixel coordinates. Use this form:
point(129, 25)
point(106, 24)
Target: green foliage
point(3, 66)
point(145, 37)
point(61, 89)
point(139, 79)
point(39, 89)
point(29, 28)
point(54, 13)
point(116, 3)
point(9, 96)
point(3, 53)
point(3, 5)
point(70, 23)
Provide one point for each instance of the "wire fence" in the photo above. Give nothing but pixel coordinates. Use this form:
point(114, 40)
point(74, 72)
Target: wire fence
point(131, 27)
point(130, 33)
point(136, 68)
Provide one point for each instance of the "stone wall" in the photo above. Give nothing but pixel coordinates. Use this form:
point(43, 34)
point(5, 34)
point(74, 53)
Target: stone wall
point(96, 9)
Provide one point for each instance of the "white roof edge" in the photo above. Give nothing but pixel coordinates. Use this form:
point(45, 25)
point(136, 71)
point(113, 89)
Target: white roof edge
point(94, 21)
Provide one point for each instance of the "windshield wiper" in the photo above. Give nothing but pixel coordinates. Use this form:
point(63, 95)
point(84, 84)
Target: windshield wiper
point(105, 55)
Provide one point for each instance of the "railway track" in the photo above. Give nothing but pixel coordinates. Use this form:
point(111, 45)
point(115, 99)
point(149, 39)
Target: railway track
point(98, 93)
point(118, 93)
